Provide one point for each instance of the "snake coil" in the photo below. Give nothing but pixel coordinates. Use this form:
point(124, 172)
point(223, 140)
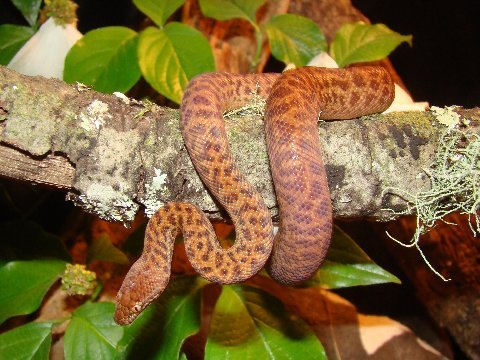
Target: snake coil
point(296, 100)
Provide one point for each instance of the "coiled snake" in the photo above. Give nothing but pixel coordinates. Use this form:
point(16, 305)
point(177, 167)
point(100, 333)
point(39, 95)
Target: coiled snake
point(296, 100)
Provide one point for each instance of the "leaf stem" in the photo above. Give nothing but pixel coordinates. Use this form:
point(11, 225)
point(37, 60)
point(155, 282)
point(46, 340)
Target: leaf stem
point(259, 41)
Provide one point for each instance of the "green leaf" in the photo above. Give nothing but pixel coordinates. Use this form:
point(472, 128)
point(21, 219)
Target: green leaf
point(294, 39)
point(169, 58)
point(24, 284)
point(29, 9)
point(347, 265)
point(103, 249)
point(30, 341)
point(248, 323)
point(105, 58)
point(231, 9)
point(12, 38)
point(161, 329)
point(92, 333)
point(158, 10)
point(362, 42)
point(25, 240)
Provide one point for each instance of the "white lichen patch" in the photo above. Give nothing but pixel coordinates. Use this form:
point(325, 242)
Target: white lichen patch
point(448, 117)
point(108, 204)
point(150, 200)
point(95, 115)
point(81, 87)
point(109, 174)
point(122, 97)
point(455, 184)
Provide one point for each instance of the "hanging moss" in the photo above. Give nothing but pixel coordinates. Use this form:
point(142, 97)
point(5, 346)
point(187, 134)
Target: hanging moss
point(455, 184)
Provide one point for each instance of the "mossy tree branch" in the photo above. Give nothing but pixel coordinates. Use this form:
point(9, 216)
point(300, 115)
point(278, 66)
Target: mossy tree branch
point(113, 154)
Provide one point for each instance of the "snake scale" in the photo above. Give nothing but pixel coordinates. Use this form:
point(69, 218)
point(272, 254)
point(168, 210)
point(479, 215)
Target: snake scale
point(296, 100)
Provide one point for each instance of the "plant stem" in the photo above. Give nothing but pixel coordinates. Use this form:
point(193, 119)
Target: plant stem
point(258, 52)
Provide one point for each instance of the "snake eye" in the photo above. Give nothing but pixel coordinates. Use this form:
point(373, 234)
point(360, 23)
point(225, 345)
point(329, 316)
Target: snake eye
point(137, 308)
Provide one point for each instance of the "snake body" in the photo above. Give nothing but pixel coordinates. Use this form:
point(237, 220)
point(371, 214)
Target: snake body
point(296, 100)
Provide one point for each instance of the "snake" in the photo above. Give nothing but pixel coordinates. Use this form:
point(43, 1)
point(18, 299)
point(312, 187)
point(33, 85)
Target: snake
point(296, 100)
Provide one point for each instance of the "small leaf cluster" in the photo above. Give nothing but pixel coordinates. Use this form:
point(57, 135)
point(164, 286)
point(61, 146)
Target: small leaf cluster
point(245, 318)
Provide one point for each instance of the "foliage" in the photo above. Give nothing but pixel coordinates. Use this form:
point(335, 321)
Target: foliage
point(29, 9)
point(361, 42)
point(347, 265)
point(249, 323)
point(29, 341)
point(12, 38)
point(25, 283)
point(167, 64)
point(169, 54)
point(293, 39)
point(245, 319)
point(104, 58)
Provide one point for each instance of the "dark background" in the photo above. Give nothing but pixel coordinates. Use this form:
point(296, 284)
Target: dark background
point(441, 67)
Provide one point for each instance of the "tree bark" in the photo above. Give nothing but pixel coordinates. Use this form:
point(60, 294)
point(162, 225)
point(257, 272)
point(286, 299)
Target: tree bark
point(118, 153)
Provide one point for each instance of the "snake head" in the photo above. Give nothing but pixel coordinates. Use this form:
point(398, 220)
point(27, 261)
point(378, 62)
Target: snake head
point(141, 286)
point(126, 313)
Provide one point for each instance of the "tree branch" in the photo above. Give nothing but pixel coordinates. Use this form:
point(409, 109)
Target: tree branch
point(112, 153)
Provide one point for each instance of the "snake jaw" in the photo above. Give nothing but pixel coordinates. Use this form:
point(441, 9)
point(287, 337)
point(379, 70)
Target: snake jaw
point(124, 315)
point(125, 312)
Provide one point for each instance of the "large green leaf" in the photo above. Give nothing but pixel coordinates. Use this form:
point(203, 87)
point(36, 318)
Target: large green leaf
point(92, 333)
point(348, 265)
point(26, 240)
point(105, 58)
point(158, 10)
point(248, 323)
point(103, 249)
point(161, 329)
point(12, 38)
point(169, 58)
point(24, 284)
point(362, 42)
point(30, 341)
point(231, 9)
point(29, 9)
point(294, 39)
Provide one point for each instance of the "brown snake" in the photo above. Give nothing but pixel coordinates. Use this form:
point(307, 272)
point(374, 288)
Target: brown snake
point(297, 99)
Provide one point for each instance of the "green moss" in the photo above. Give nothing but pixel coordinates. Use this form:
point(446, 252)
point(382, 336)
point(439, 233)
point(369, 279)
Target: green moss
point(63, 11)
point(77, 280)
point(28, 126)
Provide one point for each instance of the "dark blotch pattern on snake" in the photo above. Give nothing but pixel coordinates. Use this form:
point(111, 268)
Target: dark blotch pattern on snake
point(298, 98)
